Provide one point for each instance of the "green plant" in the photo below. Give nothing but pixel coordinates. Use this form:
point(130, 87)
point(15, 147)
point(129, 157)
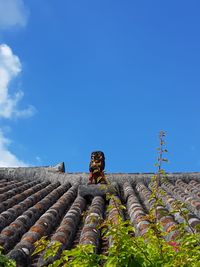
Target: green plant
point(4, 261)
point(82, 255)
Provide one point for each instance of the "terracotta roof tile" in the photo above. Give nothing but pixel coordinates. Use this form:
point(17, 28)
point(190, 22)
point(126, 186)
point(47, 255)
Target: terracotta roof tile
point(52, 205)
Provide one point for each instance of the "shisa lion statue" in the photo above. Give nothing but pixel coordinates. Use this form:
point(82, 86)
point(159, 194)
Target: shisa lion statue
point(96, 167)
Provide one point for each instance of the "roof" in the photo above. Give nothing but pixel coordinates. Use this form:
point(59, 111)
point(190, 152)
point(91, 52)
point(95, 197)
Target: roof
point(46, 201)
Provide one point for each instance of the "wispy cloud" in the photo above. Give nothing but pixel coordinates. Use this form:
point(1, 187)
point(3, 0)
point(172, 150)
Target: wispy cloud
point(10, 67)
point(13, 13)
point(7, 158)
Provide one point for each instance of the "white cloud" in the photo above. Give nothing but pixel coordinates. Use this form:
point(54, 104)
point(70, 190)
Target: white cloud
point(10, 67)
point(7, 158)
point(12, 14)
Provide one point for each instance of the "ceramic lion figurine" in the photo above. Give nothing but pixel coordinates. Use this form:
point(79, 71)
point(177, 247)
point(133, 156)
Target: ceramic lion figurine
point(96, 167)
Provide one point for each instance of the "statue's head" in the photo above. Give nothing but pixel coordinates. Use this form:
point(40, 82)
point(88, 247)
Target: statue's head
point(97, 156)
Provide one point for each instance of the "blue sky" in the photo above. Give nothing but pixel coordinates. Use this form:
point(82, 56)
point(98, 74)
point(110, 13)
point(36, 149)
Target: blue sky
point(100, 75)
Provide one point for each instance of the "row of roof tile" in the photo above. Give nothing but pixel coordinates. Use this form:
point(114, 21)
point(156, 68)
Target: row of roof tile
point(32, 209)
